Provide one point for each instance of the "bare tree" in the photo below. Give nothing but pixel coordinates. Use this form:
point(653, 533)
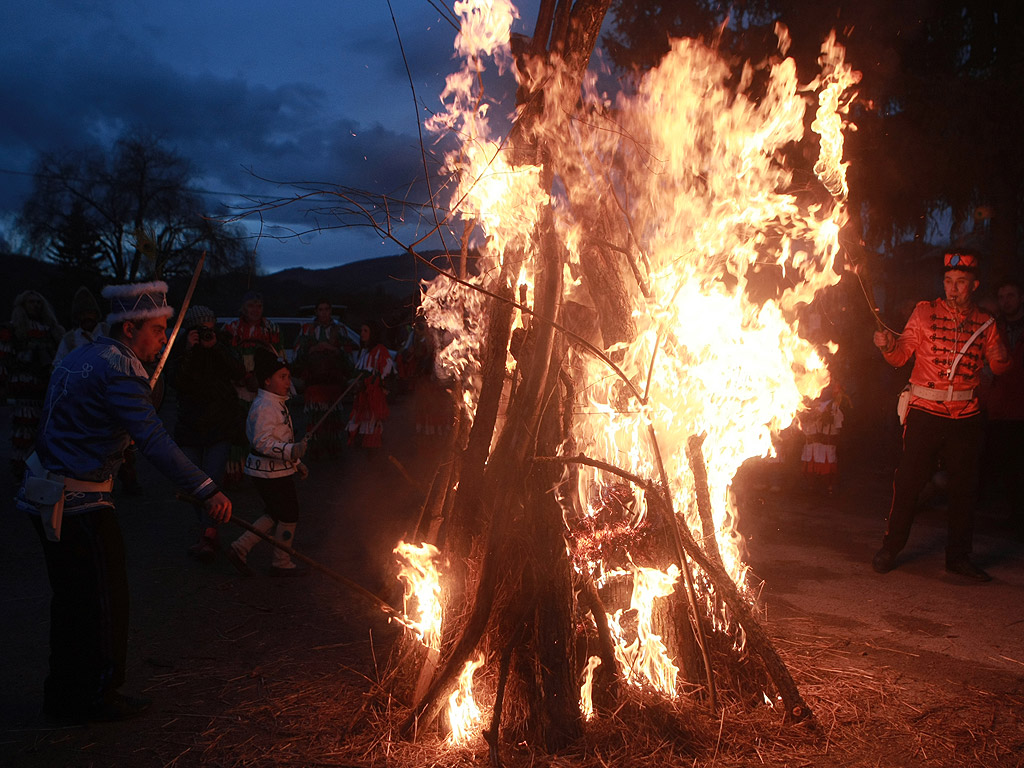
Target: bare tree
point(143, 219)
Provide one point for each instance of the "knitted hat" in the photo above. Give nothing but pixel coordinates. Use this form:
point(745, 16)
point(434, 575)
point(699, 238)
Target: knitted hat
point(266, 364)
point(197, 314)
point(967, 261)
point(84, 303)
point(137, 301)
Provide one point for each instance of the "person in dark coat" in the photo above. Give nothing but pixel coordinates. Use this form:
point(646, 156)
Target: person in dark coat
point(205, 380)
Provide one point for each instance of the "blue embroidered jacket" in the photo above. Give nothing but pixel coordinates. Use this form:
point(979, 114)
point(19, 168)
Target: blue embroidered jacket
point(98, 400)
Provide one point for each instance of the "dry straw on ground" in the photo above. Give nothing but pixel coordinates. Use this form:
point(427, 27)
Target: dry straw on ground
point(284, 715)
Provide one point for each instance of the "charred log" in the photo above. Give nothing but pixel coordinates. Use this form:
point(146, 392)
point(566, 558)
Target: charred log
point(558, 719)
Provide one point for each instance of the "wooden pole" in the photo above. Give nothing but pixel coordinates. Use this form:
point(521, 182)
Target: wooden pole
point(330, 572)
point(334, 405)
point(177, 323)
point(757, 639)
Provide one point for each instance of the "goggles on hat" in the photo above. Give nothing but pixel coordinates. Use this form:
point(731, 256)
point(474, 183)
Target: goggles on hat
point(960, 261)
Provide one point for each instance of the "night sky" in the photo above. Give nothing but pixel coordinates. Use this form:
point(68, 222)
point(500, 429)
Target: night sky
point(289, 91)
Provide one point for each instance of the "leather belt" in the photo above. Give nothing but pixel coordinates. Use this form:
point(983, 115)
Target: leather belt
point(941, 395)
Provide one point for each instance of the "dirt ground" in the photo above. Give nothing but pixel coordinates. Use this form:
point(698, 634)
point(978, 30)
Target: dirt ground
point(913, 668)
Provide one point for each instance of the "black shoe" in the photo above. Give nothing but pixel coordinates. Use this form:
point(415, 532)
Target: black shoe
point(883, 561)
point(965, 567)
point(116, 706)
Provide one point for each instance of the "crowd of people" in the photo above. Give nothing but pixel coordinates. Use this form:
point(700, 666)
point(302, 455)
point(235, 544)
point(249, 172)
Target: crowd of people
point(83, 400)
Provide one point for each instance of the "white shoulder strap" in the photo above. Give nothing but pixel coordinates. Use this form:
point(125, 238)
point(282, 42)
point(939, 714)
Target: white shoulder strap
point(963, 350)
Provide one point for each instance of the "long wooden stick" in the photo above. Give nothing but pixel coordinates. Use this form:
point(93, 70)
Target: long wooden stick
point(343, 580)
point(677, 539)
point(334, 405)
point(177, 323)
point(695, 455)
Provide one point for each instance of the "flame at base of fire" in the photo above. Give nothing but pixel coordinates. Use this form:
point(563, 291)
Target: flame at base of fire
point(418, 572)
point(587, 689)
point(463, 711)
point(646, 660)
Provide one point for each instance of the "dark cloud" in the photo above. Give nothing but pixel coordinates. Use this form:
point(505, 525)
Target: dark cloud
point(226, 126)
point(300, 93)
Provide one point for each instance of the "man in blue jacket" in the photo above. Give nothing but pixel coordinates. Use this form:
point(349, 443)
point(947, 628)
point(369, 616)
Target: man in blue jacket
point(98, 400)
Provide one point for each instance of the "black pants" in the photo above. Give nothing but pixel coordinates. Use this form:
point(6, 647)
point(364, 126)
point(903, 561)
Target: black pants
point(89, 608)
point(926, 439)
point(280, 499)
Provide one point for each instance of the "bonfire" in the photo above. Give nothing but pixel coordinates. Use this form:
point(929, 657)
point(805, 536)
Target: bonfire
point(628, 338)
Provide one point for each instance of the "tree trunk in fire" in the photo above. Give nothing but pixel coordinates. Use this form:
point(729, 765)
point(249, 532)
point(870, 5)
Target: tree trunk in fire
point(671, 620)
point(502, 492)
point(556, 711)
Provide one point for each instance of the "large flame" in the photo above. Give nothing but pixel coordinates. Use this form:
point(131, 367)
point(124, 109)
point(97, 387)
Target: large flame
point(644, 660)
point(422, 599)
point(718, 247)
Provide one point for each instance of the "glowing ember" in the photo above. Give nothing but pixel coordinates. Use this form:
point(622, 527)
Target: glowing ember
point(463, 712)
point(422, 599)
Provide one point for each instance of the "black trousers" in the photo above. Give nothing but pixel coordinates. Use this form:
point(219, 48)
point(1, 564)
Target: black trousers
point(926, 439)
point(89, 608)
point(280, 499)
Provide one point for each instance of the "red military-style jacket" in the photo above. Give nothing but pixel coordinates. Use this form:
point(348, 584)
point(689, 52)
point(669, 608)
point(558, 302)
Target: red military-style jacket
point(934, 336)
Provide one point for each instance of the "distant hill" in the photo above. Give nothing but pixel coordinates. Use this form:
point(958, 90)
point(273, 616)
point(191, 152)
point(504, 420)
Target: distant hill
point(393, 275)
point(385, 288)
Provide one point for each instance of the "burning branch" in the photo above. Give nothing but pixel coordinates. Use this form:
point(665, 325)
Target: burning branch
point(757, 639)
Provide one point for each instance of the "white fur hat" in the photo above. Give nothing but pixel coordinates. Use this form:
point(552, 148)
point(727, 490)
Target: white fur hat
point(137, 301)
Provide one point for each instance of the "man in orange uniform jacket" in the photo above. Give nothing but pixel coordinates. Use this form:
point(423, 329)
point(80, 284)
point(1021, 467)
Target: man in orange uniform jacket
point(950, 340)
